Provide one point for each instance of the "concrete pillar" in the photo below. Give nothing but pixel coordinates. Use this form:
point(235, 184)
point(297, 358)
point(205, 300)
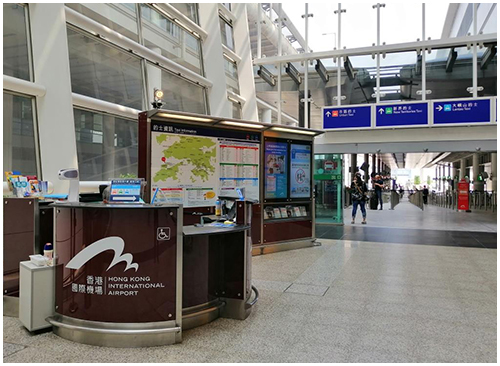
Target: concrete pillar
point(462, 169)
point(267, 115)
point(213, 59)
point(494, 171)
point(353, 165)
point(367, 161)
point(49, 42)
point(245, 66)
point(475, 172)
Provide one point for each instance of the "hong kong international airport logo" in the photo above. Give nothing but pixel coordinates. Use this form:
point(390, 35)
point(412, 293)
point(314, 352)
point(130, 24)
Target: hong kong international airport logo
point(114, 243)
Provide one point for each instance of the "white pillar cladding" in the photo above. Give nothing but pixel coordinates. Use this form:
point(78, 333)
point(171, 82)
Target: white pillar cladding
point(494, 171)
point(243, 49)
point(54, 110)
point(462, 169)
point(267, 115)
point(213, 61)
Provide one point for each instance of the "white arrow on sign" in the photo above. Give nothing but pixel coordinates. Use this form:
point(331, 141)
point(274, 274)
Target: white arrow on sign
point(126, 198)
point(328, 114)
point(439, 108)
point(381, 110)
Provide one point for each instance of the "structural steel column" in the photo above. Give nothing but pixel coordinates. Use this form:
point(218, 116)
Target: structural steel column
point(478, 185)
point(374, 163)
point(494, 171)
point(353, 165)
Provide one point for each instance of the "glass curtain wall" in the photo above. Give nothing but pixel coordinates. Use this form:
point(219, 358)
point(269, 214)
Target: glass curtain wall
point(179, 94)
point(170, 40)
point(104, 72)
point(19, 138)
point(188, 9)
point(106, 146)
point(16, 58)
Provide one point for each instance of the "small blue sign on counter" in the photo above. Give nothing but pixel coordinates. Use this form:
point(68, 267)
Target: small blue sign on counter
point(409, 114)
point(125, 190)
point(347, 117)
point(462, 111)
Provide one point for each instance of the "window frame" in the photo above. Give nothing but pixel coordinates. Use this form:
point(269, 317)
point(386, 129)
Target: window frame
point(36, 134)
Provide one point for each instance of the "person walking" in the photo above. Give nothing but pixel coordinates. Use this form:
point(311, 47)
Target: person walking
point(425, 194)
point(358, 196)
point(378, 183)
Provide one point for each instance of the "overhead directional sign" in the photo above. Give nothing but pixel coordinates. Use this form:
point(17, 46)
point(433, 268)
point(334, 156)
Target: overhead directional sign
point(347, 117)
point(401, 114)
point(462, 111)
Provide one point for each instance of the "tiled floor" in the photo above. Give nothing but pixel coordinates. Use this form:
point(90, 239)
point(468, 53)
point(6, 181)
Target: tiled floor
point(408, 216)
point(344, 301)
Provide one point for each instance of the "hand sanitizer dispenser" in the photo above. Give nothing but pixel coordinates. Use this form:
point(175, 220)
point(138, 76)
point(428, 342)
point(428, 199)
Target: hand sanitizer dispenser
point(71, 174)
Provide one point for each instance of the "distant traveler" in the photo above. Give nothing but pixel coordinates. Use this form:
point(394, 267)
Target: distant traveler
point(401, 191)
point(358, 195)
point(425, 193)
point(378, 183)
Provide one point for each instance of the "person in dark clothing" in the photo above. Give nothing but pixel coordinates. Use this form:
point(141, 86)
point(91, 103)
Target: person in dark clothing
point(425, 193)
point(378, 183)
point(358, 195)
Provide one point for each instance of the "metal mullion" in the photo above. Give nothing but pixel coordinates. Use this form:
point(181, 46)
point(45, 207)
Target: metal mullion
point(28, 41)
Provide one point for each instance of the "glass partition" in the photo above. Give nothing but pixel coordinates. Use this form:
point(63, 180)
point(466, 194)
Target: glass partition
point(179, 94)
point(16, 60)
point(168, 39)
point(447, 78)
point(121, 18)
point(104, 72)
point(19, 147)
point(106, 146)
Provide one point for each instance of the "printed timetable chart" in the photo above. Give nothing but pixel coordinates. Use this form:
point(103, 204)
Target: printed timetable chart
point(239, 167)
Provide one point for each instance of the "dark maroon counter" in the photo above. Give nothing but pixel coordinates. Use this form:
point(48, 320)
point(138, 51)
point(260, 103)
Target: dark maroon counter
point(133, 276)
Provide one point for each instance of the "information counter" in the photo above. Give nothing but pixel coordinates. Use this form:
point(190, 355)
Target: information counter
point(133, 276)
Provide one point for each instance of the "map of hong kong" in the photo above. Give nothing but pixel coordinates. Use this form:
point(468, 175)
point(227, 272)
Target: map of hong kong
point(186, 157)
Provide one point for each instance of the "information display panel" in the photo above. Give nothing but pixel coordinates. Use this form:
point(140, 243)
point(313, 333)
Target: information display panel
point(192, 165)
point(276, 170)
point(300, 171)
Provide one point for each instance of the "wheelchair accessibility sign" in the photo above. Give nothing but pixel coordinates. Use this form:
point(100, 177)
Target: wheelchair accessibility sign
point(163, 233)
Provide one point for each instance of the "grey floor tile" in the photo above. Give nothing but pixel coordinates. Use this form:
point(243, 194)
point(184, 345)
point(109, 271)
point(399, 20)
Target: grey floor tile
point(11, 348)
point(299, 288)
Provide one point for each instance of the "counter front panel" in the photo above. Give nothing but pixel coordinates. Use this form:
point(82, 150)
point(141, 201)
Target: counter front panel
point(116, 264)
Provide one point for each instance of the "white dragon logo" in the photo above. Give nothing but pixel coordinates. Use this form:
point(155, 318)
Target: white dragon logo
point(113, 243)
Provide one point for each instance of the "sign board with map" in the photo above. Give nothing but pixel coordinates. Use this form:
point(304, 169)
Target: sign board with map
point(191, 164)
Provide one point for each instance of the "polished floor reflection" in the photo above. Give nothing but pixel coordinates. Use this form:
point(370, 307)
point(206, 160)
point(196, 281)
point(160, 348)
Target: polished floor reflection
point(343, 301)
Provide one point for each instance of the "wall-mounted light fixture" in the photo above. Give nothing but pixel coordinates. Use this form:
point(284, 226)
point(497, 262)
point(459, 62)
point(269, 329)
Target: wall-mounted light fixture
point(293, 73)
point(303, 132)
point(157, 95)
point(266, 75)
point(321, 70)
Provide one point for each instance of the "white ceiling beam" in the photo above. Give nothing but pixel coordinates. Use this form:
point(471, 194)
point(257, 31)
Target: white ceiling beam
point(393, 48)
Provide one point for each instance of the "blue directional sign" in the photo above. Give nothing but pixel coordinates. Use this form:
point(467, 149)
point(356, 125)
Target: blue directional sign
point(401, 114)
point(347, 117)
point(462, 111)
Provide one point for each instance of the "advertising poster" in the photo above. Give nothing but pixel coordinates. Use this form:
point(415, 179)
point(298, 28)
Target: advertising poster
point(300, 177)
point(276, 169)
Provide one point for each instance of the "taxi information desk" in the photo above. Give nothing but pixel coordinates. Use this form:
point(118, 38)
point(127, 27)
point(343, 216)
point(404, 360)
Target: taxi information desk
point(133, 276)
